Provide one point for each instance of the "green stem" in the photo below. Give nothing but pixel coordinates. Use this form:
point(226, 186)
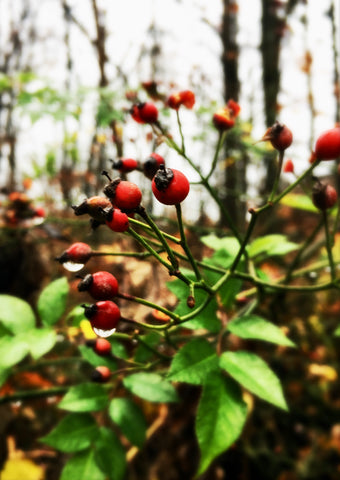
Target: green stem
point(32, 394)
point(329, 244)
point(180, 132)
point(220, 141)
point(147, 303)
point(184, 243)
point(146, 245)
point(278, 174)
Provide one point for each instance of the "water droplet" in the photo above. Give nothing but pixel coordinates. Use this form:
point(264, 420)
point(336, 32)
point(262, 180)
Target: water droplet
point(103, 333)
point(73, 267)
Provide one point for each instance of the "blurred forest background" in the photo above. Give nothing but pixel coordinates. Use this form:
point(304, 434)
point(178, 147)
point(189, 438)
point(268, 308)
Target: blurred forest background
point(68, 71)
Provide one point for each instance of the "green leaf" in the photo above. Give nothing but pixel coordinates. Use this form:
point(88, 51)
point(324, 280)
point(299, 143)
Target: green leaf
point(110, 455)
point(97, 360)
point(229, 244)
point(271, 245)
point(302, 202)
point(151, 387)
point(16, 314)
point(143, 353)
point(52, 301)
point(82, 466)
point(130, 419)
point(220, 418)
point(85, 397)
point(74, 433)
point(337, 332)
point(252, 326)
point(193, 363)
point(12, 351)
point(118, 349)
point(39, 341)
point(254, 375)
point(75, 316)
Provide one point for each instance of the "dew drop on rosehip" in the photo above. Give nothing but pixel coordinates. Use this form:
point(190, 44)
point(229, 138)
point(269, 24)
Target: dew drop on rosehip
point(72, 266)
point(104, 333)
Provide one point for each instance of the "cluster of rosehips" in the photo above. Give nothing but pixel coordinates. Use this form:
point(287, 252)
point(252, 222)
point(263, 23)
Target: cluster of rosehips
point(19, 211)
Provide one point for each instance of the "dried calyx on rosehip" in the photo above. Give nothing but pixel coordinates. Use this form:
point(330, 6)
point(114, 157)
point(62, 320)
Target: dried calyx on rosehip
point(170, 186)
point(125, 165)
point(100, 285)
point(152, 164)
point(279, 136)
point(123, 194)
point(324, 196)
point(94, 207)
point(78, 252)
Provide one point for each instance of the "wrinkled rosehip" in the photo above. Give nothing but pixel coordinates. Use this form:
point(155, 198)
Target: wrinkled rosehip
point(279, 136)
point(152, 164)
point(170, 186)
point(327, 146)
point(324, 196)
point(78, 252)
point(94, 207)
point(100, 285)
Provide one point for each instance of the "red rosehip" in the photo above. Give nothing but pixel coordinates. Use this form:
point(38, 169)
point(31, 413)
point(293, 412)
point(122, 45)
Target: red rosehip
point(288, 166)
point(117, 220)
point(152, 164)
point(170, 186)
point(78, 252)
point(324, 196)
point(123, 194)
point(125, 165)
point(102, 347)
point(100, 285)
point(39, 212)
point(225, 117)
point(186, 98)
point(327, 146)
point(279, 136)
point(145, 112)
point(103, 315)
point(101, 374)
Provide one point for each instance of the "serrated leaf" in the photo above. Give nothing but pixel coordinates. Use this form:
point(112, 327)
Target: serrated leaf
point(39, 341)
point(252, 326)
point(74, 433)
point(12, 351)
point(82, 466)
point(52, 301)
point(85, 397)
point(271, 245)
point(110, 455)
point(220, 418)
point(193, 363)
point(151, 387)
point(16, 314)
point(254, 375)
point(97, 360)
point(130, 419)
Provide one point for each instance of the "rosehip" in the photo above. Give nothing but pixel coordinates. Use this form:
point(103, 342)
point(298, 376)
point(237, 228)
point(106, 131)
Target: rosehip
point(117, 220)
point(186, 98)
point(279, 136)
point(225, 117)
point(324, 196)
point(123, 194)
point(170, 186)
point(103, 315)
point(125, 165)
point(327, 146)
point(101, 374)
point(288, 167)
point(152, 164)
point(94, 207)
point(145, 112)
point(100, 285)
point(78, 252)
point(102, 347)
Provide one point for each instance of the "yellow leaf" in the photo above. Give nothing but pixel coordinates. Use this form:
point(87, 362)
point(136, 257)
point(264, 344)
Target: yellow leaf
point(21, 468)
